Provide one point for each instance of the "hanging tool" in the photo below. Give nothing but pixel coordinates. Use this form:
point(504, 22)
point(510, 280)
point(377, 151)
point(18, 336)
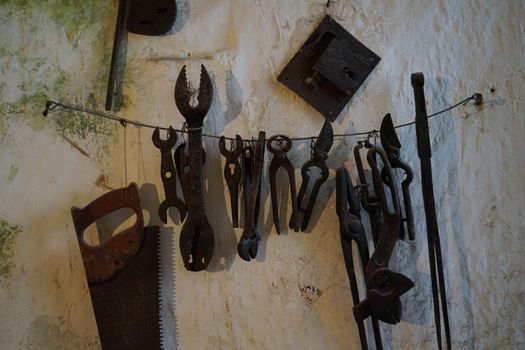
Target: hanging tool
point(152, 17)
point(391, 145)
point(196, 237)
point(424, 152)
point(369, 201)
point(182, 163)
point(168, 175)
point(232, 173)
point(253, 162)
point(123, 274)
point(352, 229)
point(383, 286)
point(322, 146)
point(281, 160)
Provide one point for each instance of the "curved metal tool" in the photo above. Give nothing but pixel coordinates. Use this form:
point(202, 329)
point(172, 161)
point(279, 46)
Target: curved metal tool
point(322, 146)
point(281, 160)
point(383, 286)
point(182, 163)
point(391, 145)
point(352, 229)
point(196, 238)
point(369, 201)
point(168, 175)
point(232, 173)
point(253, 165)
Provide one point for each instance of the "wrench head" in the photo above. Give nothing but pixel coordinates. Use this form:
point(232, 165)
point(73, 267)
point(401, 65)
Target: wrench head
point(196, 244)
point(164, 144)
point(194, 115)
point(248, 246)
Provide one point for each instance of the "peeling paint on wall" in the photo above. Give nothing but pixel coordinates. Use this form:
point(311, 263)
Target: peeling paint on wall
point(8, 235)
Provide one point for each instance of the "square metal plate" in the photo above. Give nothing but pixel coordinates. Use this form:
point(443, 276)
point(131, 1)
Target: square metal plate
point(329, 68)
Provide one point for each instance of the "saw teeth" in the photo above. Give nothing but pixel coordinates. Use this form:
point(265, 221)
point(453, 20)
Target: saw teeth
point(159, 289)
point(174, 299)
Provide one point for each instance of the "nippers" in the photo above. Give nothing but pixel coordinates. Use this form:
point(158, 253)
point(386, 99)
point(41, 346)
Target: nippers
point(281, 160)
point(196, 236)
point(168, 175)
point(233, 173)
point(322, 146)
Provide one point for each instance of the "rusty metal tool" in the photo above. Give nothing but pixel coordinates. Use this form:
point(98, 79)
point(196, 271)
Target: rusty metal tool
point(392, 146)
point(253, 168)
point(369, 200)
point(182, 163)
point(280, 160)
point(383, 286)
point(123, 274)
point(152, 17)
point(424, 152)
point(196, 238)
point(168, 175)
point(322, 146)
point(232, 173)
point(352, 229)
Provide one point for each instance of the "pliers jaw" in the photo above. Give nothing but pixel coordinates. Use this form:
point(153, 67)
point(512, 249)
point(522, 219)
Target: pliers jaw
point(194, 115)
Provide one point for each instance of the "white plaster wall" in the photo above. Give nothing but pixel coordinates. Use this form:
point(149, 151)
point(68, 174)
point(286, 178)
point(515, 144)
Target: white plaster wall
point(60, 49)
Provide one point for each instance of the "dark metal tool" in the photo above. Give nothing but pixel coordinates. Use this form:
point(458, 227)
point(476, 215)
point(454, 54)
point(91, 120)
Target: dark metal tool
point(182, 163)
point(281, 160)
point(424, 152)
point(168, 175)
point(383, 286)
point(329, 68)
point(322, 146)
point(369, 201)
point(253, 162)
point(352, 229)
point(123, 274)
point(146, 17)
point(233, 173)
point(392, 146)
point(196, 238)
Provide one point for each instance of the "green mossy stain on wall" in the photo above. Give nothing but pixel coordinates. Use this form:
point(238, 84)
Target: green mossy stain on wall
point(88, 22)
point(8, 234)
point(73, 15)
point(13, 172)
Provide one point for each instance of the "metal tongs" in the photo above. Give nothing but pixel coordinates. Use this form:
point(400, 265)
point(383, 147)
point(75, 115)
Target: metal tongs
point(352, 229)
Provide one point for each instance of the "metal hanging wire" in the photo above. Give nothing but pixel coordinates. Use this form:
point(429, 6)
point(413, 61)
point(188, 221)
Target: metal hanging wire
point(52, 106)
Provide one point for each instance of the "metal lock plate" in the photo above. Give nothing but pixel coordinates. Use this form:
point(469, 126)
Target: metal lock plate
point(329, 68)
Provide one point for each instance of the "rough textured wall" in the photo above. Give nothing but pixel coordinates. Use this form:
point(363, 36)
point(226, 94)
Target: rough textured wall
point(296, 295)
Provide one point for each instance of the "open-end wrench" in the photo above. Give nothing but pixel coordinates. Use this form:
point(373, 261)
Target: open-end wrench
point(196, 238)
point(168, 175)
point(232, 173)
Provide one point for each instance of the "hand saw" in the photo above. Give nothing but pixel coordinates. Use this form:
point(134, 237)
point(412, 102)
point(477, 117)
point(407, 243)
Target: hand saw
point(123, 274)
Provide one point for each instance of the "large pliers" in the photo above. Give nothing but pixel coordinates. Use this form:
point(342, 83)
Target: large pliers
point(383, 286)
point(351, 229)
point(320, 150)
point(392, 146)
point(281, 160)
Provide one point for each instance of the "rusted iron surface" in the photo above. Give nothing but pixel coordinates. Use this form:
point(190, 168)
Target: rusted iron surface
point(233, 173)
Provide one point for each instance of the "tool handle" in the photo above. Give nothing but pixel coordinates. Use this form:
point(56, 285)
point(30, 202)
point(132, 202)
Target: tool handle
point(119, 28)
point(422, 134)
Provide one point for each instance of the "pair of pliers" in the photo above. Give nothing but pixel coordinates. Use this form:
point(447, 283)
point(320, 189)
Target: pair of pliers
point(322, 146)
point(383, 286)
point(281, 160)
point(392, 146)
point(351, 229)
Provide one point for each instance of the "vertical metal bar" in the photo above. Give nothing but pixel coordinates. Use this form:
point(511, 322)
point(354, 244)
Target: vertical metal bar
point(119, 28)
